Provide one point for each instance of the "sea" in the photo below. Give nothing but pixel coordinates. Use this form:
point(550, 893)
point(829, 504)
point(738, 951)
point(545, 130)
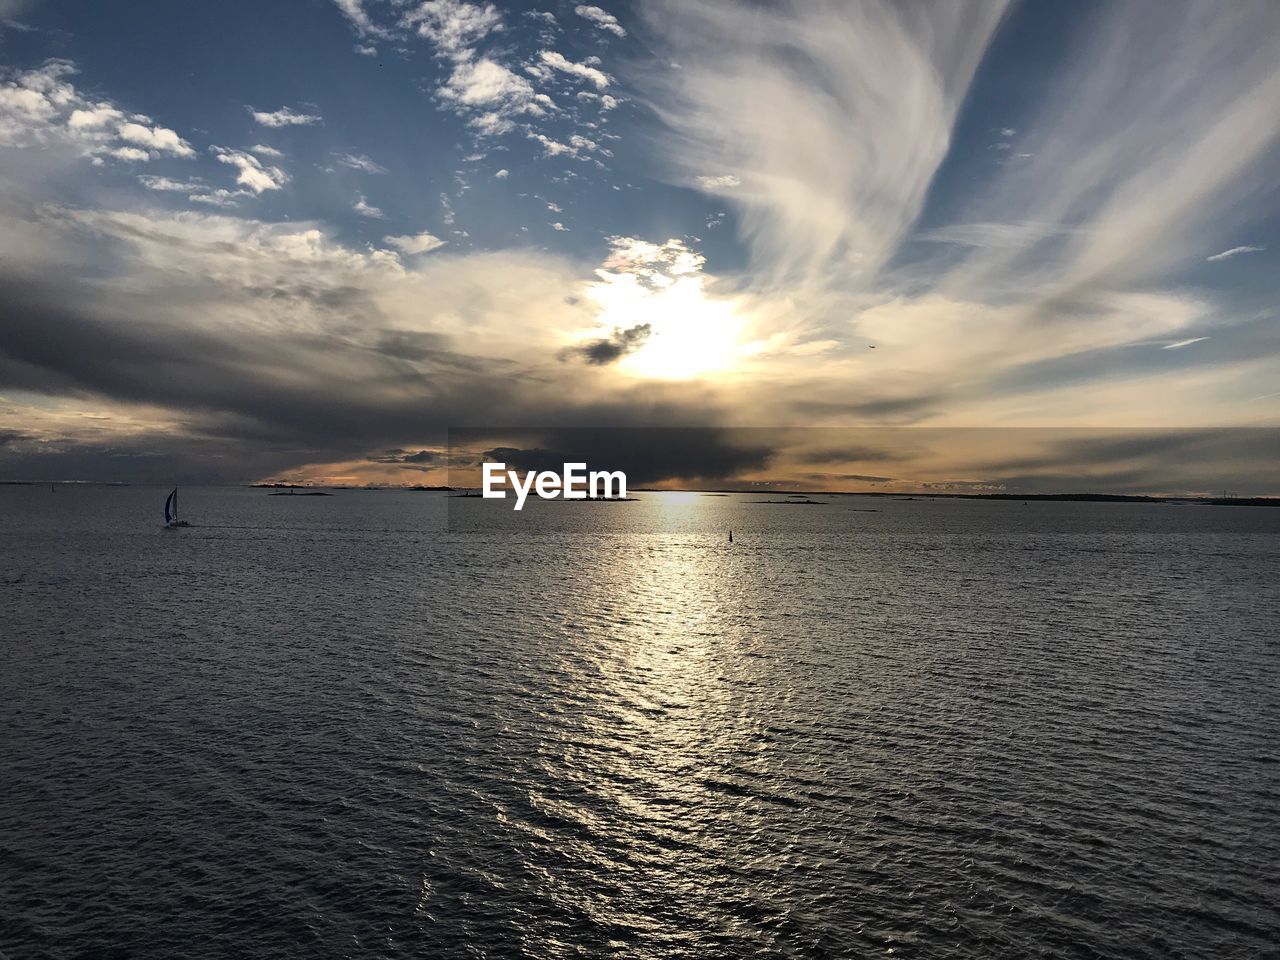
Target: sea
point(404, 724)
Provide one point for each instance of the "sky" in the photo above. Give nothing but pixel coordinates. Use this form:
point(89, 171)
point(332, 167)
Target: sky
point(302, 240)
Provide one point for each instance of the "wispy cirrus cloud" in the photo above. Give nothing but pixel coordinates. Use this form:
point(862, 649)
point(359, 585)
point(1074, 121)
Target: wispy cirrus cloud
point(840, 123)
point(355, 11)
point(834, 180)
point(361, 163)
point(1233, 252)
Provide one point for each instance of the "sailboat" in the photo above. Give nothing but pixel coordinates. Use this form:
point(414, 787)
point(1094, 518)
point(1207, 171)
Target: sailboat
point(171, 511)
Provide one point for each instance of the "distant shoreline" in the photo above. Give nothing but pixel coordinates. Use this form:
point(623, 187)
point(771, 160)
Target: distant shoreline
point(757, 491)
point(1052, 497)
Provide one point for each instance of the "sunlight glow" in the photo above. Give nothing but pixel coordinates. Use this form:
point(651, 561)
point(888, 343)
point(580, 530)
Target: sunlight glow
point(689, 333)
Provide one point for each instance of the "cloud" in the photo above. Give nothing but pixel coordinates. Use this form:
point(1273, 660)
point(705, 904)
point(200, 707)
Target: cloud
point(130, 154)
point(484, 83)
point(491, 96)
point(614, 347)
point(601, 18)
point(366, 209)
point(41, 107)
point(414, 244)
point(361, 163)
point(252, 173)
point(408, 458)
point(93, 118)
point(646, 454)
point(285, 348)
point(577, 146)
point(837, 115)
point(1033, 292)
point(582, 71)
point(354, 11)
point(841, 120)
point(723, 182)
point(502, 174)
point(990, 235)
point(454, 26)
point(284, 117)
point(165, 184)
point(1233, 252)
point(219, 197)
point(158, 139)
point(1149, 138)
point(262, 150)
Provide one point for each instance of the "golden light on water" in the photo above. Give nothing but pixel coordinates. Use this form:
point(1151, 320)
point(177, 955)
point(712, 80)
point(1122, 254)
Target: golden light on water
point(678, 498)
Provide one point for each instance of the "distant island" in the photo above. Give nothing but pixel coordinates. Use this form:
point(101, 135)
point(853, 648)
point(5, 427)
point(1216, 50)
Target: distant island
point(937, 495)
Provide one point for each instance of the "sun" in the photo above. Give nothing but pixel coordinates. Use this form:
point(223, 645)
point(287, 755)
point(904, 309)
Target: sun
point(685, 333)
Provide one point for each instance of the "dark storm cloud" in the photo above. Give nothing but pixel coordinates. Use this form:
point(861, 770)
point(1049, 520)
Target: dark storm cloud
point(1153, 449)
point(252, 402)
point(645, 454)
point(144, 460)
point(907, 409)
point(396, 455)
point(286, 387)
point(849, 454)
point(1243, 460)
point(435, 348)
point(611, 349)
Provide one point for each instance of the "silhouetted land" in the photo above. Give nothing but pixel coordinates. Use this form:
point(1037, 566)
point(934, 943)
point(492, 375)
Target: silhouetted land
point(897, 495)
point(1062, 497)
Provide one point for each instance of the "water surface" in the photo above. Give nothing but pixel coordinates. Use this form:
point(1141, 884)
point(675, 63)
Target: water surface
point(397, 724)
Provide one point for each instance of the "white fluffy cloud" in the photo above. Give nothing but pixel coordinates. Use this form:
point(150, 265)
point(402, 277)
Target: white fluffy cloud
point(582, 71)
point(251, 172)
point(157, 139)
point(284, 117)
point(483, 83)
point(366, 209)
point(453, 26)
point(492, 96)
point(42, 106)
point(601, 18)
point(577, 147)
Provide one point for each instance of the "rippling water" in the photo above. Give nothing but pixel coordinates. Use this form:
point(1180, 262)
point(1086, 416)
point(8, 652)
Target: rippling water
point(324, 727)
